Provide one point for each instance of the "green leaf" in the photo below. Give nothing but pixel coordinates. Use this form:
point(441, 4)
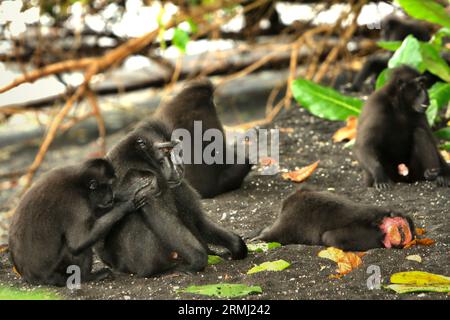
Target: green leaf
point(408, 288)
point(434, 62)
point(419, 281)
point(36, 294)
point(389, 45)
point(278, 265)
point(439, 95)
point(214, 260)
point(438, 36)
point(427, 10)
point(443, 133)
point(445, 146)
point(192, 25)
point(180, 39)
point(262, 247)
point(325, 102)
point(421, 56)
point(410, 54)
point(419, 278)
point(382, 79)
point(223, 290)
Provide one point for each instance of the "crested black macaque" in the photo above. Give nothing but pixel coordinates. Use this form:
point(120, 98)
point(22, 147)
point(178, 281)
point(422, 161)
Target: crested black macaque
point(322, 218)
point(170, 232)
point(393, 28)
point(393, 131)
point(195, 103)
point(62, 216)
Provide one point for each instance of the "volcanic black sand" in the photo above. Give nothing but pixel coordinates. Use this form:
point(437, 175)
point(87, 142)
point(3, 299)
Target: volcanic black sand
point(256, 205)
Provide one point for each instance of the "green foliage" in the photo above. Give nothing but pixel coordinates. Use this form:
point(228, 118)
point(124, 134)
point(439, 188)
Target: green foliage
point(382, 79)
point(36, 294)
point(223, 290)
point(263, 246)
point(389, 45)
point(180, 39)
point(278, 265)
point(445, 146)
point(418, 281)
point(409, 53)
point(434, 63)
point(427, 10)
point(443, 133)
point(325, 102)
point(438, 36)
point(439, 98)
point(419, 55)
point(214, 260)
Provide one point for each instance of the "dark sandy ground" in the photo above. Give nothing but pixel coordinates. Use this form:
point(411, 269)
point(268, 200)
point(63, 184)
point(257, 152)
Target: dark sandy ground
point(256, 205)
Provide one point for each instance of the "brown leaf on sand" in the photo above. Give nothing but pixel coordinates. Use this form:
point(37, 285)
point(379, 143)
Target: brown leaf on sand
point(267, 161)
point(348, 132)
point(419, 242)
point(16, 272)
point(301, 174)
point(286, 130)
point(346, 261)
point(420, 231)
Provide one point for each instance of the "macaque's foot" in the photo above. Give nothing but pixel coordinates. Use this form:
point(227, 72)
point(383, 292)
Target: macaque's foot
point(100, 275)
point(381, 186)
point(139, 203)
point(431, 174)
point(443, 181)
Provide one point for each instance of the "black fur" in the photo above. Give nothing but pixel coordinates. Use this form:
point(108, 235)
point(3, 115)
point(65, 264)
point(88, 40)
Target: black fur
point(393, 28)
point(60, 218)
point(322, 218)
point(195, 103)
point(393, 130)
point(172, 223)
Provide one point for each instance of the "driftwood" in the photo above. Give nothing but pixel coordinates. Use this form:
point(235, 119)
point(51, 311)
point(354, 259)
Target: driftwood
point(289, 53)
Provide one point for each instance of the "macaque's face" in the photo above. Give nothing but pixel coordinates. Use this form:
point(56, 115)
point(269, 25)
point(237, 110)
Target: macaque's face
point(397, 232)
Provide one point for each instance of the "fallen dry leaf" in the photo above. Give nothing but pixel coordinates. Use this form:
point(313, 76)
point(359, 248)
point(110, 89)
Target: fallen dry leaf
point(286, 130)
point(267, 161)
point(348, 132)
point(16, 272)
point(346, 261)
point(419, 242)
point(420, 231)
point(3, 248)
point(414, 257)
point(301, 174)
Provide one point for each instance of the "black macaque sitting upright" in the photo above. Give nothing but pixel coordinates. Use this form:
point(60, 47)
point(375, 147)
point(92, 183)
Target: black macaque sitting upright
point(393, 131)
point(323, 218)
point(393, 28)
point(61, 217)
point(195, 103)
point(170, 232)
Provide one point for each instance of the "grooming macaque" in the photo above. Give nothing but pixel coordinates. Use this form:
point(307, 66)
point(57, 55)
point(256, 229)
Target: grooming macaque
point(195, 103)
point(170, 232)
point(323, 218)
point(393, 28)
point(393, 131)
point(62, 216)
